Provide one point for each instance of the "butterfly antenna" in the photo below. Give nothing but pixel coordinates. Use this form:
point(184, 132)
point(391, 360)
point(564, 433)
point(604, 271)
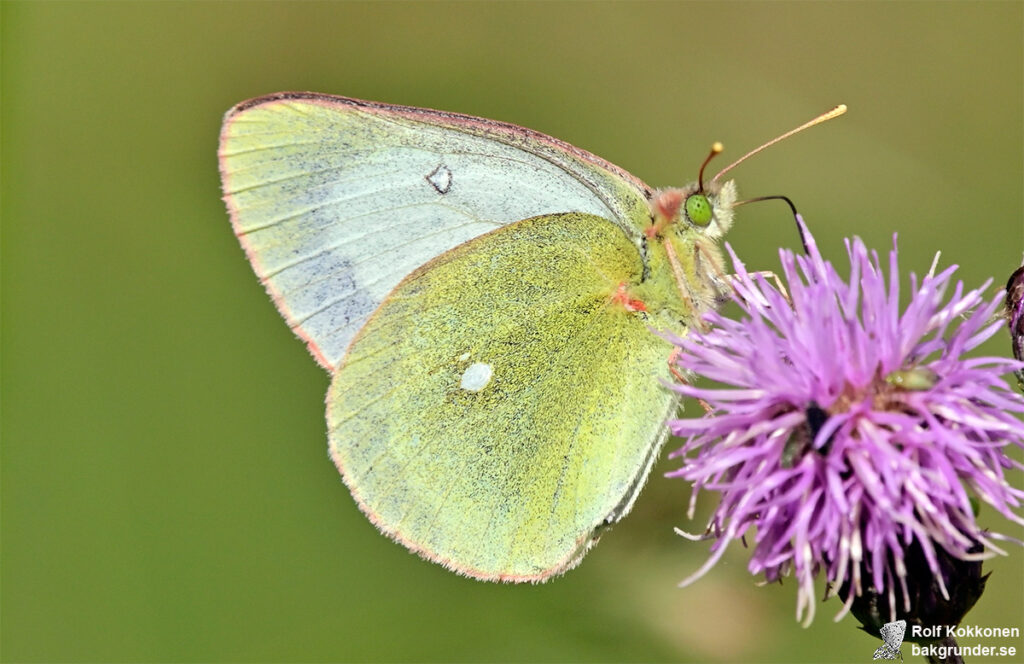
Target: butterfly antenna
point(834, 113)
point(716, 148)
point(792, 207)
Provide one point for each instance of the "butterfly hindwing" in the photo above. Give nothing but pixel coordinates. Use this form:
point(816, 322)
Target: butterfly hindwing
point(501, 406)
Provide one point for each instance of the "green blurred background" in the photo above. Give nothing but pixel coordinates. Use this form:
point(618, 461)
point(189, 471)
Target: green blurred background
point(166, 491)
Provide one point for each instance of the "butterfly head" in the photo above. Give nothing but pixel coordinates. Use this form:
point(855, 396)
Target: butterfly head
point(682, 256)
point(698, 208)
point(705, 211)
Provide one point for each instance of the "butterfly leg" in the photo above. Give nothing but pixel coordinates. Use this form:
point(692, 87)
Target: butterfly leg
point(767, 274)
point(724, 281)
point(674, 370)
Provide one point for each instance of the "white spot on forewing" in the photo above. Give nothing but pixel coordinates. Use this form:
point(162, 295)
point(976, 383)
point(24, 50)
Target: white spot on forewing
point(463, 357)
point(440, 178)
point(476, 377)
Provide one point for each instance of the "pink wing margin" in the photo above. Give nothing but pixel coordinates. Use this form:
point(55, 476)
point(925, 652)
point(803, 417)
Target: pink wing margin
point(506, 132)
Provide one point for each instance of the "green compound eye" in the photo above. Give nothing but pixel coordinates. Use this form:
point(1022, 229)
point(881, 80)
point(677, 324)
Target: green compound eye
point(698, 209)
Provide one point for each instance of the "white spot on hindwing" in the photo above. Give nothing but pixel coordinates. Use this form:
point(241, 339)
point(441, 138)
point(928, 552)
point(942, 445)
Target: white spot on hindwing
point(476, 377)
point(440, 179)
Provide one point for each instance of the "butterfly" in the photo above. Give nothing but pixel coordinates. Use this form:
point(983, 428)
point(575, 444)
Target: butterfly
point(483, 296)
point(892, 636)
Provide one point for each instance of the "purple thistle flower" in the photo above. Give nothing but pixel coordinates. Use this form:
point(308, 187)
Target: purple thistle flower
point(848, 431)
